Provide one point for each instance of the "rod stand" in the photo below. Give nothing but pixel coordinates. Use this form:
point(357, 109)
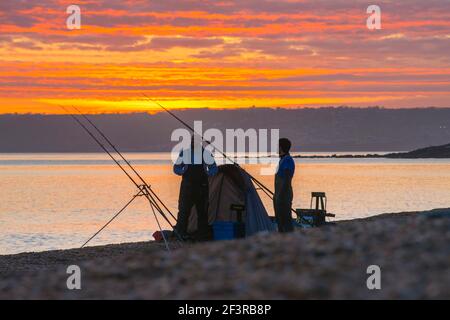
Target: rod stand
point(144, 190)
point(114, 217)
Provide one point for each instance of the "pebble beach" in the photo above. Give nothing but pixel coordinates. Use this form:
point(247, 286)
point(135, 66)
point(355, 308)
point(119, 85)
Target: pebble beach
point(412, 250)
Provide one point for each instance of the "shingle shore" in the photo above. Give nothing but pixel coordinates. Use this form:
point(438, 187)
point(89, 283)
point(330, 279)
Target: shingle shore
point(412, 250)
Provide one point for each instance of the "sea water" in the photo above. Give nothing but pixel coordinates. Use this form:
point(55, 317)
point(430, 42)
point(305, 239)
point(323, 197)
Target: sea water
point(57, 201)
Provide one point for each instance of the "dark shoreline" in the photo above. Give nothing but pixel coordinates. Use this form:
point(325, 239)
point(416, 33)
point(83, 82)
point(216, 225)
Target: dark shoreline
point(433, 152)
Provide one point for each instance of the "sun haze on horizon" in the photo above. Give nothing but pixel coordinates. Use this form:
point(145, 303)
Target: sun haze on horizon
point(222, 54)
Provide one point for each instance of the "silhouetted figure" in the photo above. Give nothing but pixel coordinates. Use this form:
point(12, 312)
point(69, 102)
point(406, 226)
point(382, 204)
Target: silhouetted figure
point(282, 200)
point(194, 165)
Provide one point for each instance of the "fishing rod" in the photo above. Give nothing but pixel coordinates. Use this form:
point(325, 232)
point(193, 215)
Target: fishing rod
point(101, 145)
point(144, 190)
point(207, 141)
point(266, 190)
point(149, 197)
point(125, 160)
point(210, 143)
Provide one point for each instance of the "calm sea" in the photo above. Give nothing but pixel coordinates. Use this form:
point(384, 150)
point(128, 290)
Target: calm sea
point(56, 201)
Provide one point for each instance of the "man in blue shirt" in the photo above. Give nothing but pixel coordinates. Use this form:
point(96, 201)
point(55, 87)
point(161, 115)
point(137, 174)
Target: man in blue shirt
point(194, 164)
point(282, 200)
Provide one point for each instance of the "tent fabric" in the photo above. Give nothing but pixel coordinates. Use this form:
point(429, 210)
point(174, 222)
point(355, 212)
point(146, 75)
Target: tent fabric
point(232, 185)
point(257, 219)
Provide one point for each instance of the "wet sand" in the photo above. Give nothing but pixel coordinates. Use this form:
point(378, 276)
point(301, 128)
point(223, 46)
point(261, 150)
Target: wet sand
point(412, 250)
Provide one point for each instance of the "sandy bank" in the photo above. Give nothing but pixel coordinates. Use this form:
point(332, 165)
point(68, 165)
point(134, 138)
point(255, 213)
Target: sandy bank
point(412, 250)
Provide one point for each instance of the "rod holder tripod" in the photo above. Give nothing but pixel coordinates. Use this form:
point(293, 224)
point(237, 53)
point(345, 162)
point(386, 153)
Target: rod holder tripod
point(144, 191)
point(114, 217)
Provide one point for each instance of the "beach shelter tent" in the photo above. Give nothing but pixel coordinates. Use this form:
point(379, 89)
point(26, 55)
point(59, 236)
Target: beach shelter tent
point(233, 186)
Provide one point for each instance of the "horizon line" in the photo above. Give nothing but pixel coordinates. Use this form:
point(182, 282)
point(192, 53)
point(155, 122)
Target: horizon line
point(152, 112)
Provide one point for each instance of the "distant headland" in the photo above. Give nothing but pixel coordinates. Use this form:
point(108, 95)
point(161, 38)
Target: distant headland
point(433, 152)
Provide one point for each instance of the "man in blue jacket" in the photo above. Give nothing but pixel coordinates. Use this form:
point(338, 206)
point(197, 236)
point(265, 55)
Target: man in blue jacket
point(194, 164)
point(282, 200)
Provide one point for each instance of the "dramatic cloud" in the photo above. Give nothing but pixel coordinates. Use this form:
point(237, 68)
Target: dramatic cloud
point(223, 53)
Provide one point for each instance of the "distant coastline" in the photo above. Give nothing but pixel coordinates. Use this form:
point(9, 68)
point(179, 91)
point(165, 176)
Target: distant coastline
point(433, 152)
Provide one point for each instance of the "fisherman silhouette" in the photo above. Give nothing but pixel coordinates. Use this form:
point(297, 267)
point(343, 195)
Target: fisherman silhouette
point(194, 164)
point(282, 200)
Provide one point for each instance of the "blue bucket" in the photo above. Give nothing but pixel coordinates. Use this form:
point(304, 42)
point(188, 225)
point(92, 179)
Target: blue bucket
point(227, 230)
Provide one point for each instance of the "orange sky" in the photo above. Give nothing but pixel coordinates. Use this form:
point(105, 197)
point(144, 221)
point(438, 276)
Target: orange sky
point(222, 54)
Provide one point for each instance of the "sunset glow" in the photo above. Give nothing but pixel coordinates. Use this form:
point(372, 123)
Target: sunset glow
point(222, 54)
